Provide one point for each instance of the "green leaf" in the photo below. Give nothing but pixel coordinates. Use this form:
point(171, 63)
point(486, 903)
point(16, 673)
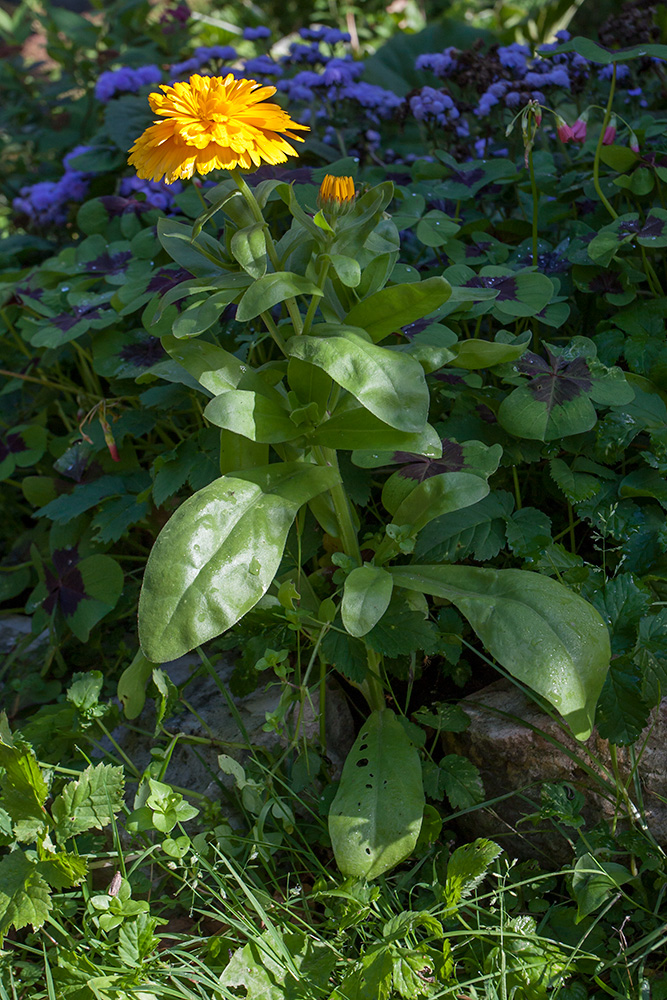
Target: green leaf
point(24, 895)
point(391, 386)
point(103, 584)
point(248, 247)
point(596, 53)
point(259, 968)
point(594, 881)
point(194, 255)
point(376, 816)
point(473, 354)
point(252, 416)
point(167, 697)
point(435, 228)
point(366, 597)
point(24, 790)
point(651, 656)
point(541, 632)
point(460, 781)
point(622, 713)
point(528, 532)
point(268, 291)
point(62, 870)
point(401, 631)
point(439, 495)
point(467, 867)
point(478, 530)
point(89, 803)
point(391, 308)
point(347, 269)
point(218, 554)
point(132, 683)
point(213, 367)
point(576, 486)
point(357, 428)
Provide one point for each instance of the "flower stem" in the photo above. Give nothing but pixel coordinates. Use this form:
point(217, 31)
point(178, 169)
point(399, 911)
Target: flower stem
point(253, 205)
point(536, 198)
point(596, 162)
point(312, 308)
point(348, 532)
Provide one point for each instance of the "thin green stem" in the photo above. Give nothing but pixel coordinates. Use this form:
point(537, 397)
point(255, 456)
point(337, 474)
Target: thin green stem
point(536, 198)
point(596, 162)
point(314, 302)
point(517, 488)
point(274, 331)
point(258, 215)
point(348, 532)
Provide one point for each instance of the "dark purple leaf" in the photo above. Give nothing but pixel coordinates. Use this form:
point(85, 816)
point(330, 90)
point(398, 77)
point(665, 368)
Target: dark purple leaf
point(144, 353)
point(65, 588)
point(419, 467)
point(164, 279)
point(504, 284)
point(11, 444)
point(109, 263)
point(557, 381)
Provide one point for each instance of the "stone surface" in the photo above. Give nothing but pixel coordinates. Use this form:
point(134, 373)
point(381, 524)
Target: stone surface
point(207, 715)
point(517, 747)
point(14, 629)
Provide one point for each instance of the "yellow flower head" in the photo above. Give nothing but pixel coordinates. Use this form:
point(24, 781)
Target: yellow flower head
point(336, 192)
point(212, 122)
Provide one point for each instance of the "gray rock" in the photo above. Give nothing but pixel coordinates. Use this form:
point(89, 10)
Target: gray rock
point(208, 726)
point(517, 748)
point(14, 630)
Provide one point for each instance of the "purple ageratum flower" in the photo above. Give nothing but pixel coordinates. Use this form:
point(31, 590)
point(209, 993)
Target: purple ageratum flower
point(73, 153)
point(305, 54)
point(254, 34)
point(376, 99)
point(622, 72)
point(332, 36)
point(125, 80)
point(262, 66)
point(157, 193)
point(433, 104)
point(440, 63)
point(180, 69)
point(226, 53)
point(341, 72)
point(514, 56)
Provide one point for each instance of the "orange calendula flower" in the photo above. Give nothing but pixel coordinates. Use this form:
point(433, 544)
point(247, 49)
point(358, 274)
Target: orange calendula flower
point(212, 122)
point(335, 191)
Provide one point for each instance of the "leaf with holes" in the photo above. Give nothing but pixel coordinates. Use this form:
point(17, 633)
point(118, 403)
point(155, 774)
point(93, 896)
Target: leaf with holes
point(376, 815)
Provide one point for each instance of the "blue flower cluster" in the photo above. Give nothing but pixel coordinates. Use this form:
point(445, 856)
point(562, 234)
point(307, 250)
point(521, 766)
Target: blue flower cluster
point(125, 81)
point(434, 106)
point(337, 82)
point(332, 36)
point(157, 193)
point(201, 57)
point(256, 34)
point(46, 202)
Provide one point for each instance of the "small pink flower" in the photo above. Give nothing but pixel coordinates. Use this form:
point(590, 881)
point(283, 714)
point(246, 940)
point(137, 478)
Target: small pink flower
point(634, 143)
point(609, 135)
point(564, 131)
point(578, 130)
point(538, 118)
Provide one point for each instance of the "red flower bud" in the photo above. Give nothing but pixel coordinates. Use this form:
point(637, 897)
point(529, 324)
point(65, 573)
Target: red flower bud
point(579, 130)
point(609, 135)
point(564, 131)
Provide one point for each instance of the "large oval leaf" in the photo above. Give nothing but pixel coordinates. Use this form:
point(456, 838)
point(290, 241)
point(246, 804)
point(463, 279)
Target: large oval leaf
point(390, 385)
point(218, 554)
point(541, 632)
point(438, 495)
point(376, 816)
point(272, 289)
point(252, 416)
point(391, 308)
point(366, 597)
point(358, 428)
